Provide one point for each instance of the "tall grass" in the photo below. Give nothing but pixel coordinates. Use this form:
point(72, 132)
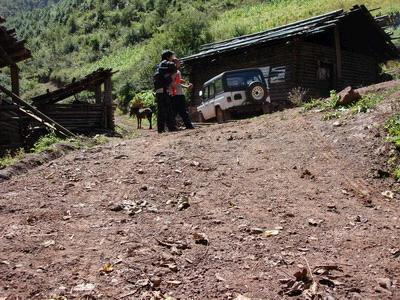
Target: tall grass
point(259, 17)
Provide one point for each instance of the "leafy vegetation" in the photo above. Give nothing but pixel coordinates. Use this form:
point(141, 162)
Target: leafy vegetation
point(393, 128)
point(12, 7)
point(74, 37)
point(47, 143)
point(334, 110)
point(9, 159)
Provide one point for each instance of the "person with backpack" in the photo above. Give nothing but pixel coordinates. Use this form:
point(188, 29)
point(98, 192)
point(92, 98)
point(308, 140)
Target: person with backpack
point(162, 82)
point(178, 96)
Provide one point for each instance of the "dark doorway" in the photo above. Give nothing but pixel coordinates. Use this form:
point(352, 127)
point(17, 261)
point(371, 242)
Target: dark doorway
point(325, 77)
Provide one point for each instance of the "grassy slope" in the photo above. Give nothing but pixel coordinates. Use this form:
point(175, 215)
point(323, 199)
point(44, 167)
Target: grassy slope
point(254, 18)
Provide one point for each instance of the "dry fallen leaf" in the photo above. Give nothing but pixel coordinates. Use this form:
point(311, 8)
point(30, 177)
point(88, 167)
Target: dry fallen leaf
point(107, 268)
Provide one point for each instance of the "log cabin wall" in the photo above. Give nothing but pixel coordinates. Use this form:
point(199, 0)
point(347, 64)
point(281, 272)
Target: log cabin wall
point(316, 69)
point(83, 117)
point(11, 128)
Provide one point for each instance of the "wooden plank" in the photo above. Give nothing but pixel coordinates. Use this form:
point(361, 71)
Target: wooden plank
point(36, 114)
point(109, 112)
point(14, 71)
point(98, 94)
point(338, 51)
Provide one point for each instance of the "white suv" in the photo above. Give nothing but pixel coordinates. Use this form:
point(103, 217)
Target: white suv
point(234, 91)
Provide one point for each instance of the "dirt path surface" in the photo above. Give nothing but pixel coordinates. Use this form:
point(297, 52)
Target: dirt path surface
point(212, 213)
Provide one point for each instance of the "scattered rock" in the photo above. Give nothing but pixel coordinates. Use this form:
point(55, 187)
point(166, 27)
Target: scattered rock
point(156, 281)
point(337, 124)
point(241, 297)
point(269, 233)
point(385, 283)
point(314, 222)
point(388, 194)
point(256, 230)
point(306, 174)
point(348, 96)
point(183, 203)
point(121, 156)
point(195, 164)
point(84, 287)
point(48, 243)
point(200, 238)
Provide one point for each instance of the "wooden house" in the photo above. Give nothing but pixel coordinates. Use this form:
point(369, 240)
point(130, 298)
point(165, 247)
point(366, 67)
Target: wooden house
point(319, 54)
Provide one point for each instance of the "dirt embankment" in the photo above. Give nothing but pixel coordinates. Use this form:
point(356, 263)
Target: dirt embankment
point(213, 213)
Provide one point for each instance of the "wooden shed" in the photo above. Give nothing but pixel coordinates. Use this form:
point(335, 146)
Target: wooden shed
point(13, 122)
point(79, 116)
point(319, 54)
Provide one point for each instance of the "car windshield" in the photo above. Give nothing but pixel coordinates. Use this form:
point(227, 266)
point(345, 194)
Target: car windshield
point(241, 79)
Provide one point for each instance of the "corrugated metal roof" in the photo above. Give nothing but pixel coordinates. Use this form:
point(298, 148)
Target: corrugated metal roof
point(311, 26)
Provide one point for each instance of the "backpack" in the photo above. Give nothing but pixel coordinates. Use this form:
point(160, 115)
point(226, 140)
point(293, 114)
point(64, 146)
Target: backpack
point(162, 78)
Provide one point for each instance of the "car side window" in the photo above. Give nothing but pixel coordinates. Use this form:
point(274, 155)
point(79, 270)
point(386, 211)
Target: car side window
point(219, 88)
point(211, 91)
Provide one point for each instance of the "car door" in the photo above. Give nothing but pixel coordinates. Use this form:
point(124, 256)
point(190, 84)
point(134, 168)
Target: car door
point(206, 106)
point(209, 107)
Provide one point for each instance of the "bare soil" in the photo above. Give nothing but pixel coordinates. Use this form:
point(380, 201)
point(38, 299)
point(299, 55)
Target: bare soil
point(212, 213)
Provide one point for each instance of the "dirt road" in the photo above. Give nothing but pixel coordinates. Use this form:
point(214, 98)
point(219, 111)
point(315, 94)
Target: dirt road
point(212, 213)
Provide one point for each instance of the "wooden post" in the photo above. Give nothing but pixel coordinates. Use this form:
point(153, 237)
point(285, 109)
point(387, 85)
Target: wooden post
point(109, 114)
point(14, 70)
point(98, 94)
point(338, 51)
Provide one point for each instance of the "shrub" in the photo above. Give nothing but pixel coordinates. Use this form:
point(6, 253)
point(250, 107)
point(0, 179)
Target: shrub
point(298, 95)
point(393, 128)
point(45, 143)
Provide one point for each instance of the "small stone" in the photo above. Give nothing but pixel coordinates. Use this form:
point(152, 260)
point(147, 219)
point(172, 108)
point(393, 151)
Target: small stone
point(256, 230)
point(140, 171)
point(313, 222)
point(84, 287)
point(187, 183)
point(156, 281)
point(385, 283)
point(337, 124)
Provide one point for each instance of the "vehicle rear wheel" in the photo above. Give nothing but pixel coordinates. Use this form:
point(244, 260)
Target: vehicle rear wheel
point(257, 92)
point(220, 115)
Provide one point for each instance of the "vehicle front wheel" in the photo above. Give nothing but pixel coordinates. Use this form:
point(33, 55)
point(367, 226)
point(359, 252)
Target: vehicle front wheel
point(220, 115)
point(201, 118)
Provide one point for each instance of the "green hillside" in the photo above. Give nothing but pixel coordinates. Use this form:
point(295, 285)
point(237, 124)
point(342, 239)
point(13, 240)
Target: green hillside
point(14, 7)
point(75, 37)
